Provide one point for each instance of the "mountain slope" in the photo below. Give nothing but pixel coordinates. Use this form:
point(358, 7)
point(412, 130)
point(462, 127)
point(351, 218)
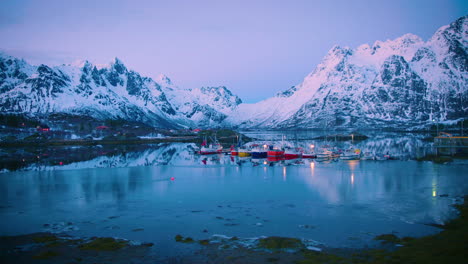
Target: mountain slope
point(112, 92)
point(402, 82)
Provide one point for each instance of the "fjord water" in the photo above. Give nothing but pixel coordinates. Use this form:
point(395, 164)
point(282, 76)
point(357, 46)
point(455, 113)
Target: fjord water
point(153, 194)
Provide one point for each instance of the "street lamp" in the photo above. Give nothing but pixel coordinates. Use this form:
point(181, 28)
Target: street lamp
point(437, 127)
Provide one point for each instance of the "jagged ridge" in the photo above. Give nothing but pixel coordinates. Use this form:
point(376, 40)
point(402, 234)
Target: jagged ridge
point(404, 82)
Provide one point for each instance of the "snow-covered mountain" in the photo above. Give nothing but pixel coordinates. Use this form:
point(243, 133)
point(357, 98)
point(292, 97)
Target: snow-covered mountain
point(405, 82)
point(107, 93)
point(402, 82)
point(205, 106)
point(111, 92)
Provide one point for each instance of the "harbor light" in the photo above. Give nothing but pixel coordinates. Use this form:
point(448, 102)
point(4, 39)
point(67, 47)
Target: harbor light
point(312, 146)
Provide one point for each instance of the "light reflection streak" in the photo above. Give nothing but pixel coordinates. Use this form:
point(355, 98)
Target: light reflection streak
point(434, 187)
point(312, 168)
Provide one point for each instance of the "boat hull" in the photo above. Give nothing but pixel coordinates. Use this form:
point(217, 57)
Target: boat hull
point(243, 154)
point(291, 156)
point(323, 156)
point(349, 157)
point(259, 154)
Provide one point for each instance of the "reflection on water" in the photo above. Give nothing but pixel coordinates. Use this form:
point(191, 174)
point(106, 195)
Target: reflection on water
point(401, 147)
point(166, 190)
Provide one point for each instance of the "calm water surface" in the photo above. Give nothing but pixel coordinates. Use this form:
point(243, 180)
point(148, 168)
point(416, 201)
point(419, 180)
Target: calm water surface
point(153, 194)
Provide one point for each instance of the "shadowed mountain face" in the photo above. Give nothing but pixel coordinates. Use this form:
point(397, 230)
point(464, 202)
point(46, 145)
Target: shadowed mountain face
point(401, 83)
point(113, 92)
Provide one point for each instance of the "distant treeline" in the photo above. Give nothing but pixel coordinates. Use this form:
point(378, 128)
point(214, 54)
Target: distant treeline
point(14, 120)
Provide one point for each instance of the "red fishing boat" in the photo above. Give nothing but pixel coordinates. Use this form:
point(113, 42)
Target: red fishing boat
point(275, 153)
point(292, 154)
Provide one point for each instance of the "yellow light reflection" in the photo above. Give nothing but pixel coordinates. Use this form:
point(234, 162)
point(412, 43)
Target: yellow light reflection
point(352, 178)
point(284, 173)
point(312, 168)
point(352, 164)
point(434, 193)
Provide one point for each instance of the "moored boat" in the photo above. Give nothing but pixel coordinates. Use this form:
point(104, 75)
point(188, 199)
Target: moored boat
point(214, 148)
point(351, 154)
point(324, 154)
point(275, 153)
point(311, 154)
point(292, 154)
point(211, 149)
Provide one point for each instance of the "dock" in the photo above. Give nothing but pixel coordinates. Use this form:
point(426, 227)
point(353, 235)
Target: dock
point(446, 144)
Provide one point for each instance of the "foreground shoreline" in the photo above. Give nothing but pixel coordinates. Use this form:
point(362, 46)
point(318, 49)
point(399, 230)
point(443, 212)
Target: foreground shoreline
point(448, 246)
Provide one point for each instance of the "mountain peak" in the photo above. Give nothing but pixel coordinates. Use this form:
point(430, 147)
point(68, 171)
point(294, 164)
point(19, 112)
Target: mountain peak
point(118, 66)
point(408, 39)
point(81, 63)
point(163, 79)
point(456, 30)
point(4, 55)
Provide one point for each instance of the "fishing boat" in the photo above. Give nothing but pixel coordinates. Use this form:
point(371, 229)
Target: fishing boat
point(324, 154)
point(351, 154)
point(235, 149)
point(275, 153)
point(213, 148)
point(290, 153)
point(311, 154)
